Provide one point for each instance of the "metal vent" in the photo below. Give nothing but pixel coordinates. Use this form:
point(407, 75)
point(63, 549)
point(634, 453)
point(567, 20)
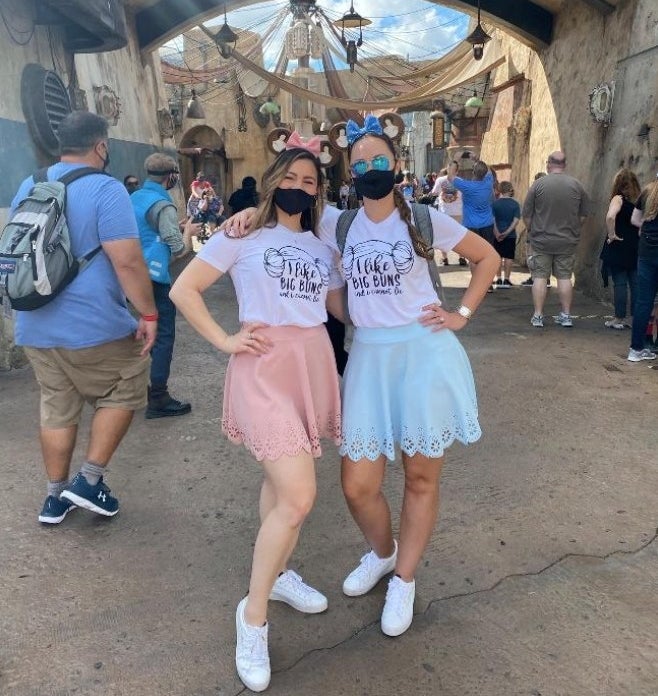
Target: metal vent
point(45, 104)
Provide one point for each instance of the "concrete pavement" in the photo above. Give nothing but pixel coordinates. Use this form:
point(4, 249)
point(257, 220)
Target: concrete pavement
point(540, 579)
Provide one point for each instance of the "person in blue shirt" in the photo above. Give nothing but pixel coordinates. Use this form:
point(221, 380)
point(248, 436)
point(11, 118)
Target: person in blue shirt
point(477, 199)
point(507, 213)
point(157, 220)
point(85, 346)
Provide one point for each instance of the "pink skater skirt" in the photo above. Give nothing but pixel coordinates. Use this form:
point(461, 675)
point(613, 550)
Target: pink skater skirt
point(284, 402)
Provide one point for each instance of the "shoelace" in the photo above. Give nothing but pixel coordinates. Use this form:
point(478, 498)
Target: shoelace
point(296, 584)
point(257, 647)
point(399, 595)
point(366, 565)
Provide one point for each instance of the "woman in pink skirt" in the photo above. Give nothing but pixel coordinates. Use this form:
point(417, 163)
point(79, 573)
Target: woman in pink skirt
point(281, 394)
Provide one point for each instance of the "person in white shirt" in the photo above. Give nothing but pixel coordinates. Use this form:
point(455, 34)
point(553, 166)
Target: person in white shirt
point(448, 201)
point(281, 394)
point(408, 381)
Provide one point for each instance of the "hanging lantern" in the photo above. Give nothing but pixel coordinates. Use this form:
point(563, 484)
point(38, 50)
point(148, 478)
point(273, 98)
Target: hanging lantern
point(438, 129)
point(297, 40)
point(478, 38)
point(316, 40)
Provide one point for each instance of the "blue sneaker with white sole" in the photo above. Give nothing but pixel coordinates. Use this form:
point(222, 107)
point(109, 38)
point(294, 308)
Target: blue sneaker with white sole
point(95, 498)
point(55, 510)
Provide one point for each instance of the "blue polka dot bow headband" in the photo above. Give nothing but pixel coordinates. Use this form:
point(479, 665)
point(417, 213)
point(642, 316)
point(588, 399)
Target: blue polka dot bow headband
point(371, 126)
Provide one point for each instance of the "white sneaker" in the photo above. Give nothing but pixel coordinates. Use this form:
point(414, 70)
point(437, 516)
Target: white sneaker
point(399, 607)
point(291, 589)
point(612, 324)
point(369, 572)
point(638, 355)
point(252, 658)
point(537, 320)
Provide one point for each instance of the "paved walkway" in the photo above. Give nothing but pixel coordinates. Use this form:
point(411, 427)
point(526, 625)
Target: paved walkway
point(539, 581)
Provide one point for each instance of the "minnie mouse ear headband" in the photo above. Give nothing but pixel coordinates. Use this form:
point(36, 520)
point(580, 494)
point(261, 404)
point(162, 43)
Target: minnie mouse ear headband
point(311, 145)
point(371, 126)
point(202, 183)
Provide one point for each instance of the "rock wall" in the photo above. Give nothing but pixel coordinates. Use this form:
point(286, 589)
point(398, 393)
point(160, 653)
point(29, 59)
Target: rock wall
point(551, 110)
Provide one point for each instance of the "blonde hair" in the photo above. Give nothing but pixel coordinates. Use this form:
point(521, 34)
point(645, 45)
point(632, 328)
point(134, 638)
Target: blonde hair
point(266, 215)
point(651, 203)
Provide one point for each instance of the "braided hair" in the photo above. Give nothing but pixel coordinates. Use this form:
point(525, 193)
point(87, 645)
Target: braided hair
point(421, 247)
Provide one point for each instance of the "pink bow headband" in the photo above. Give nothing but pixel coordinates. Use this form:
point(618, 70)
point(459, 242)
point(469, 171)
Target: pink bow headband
point(312, 145)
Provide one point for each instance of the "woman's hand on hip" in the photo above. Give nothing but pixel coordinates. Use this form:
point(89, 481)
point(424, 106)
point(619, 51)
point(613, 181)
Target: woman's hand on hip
point(248, 340)
point(438, 318)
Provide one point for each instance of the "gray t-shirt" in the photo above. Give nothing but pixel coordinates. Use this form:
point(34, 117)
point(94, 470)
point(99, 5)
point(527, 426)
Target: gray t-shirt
point(554, 206)
point(163, 217)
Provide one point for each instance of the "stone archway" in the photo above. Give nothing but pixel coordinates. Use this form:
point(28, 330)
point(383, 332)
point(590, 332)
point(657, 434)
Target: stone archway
point(201, 149)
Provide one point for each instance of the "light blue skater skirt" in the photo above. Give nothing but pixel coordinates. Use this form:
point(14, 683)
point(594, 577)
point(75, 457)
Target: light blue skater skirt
point(408, 386)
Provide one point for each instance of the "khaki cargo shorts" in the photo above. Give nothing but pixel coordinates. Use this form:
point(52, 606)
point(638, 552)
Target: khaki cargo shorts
point(112, 375)
point(542, 265)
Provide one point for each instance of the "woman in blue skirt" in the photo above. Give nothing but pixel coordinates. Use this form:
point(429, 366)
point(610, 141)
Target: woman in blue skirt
point(408, 381)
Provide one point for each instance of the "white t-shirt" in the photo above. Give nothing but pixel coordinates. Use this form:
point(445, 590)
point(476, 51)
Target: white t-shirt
point(387, 282)
point(447, 207)
point(281, 277)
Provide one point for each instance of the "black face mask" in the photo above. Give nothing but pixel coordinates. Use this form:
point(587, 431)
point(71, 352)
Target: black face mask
point(375, 184)
point(106, 161)
point(293, 201)
point(172, 180)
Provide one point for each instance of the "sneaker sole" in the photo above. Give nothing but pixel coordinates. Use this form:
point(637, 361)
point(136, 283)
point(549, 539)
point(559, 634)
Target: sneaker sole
point(636, 360)
point(55, 520)
point(276, 597)
point(87, 504)
point(151, 416)
point(397, 631)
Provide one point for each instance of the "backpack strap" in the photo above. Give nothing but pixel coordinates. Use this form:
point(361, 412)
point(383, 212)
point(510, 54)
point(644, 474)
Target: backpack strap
point(79, 173)
point(423, 223)
point(345, 220)
point(40, 175)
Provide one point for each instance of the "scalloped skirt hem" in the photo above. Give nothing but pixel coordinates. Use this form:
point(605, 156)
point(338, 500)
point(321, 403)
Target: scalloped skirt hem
point(284, 402)
point(409, 388)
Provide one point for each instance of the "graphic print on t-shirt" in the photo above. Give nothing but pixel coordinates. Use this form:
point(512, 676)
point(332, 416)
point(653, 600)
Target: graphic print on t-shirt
point(301, 276)
point(374, 267)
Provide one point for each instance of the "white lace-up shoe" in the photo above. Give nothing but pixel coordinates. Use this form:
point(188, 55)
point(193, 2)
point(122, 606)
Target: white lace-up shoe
point(399, 607)
point(369, 572)
point(252, 658)
point(291, 589)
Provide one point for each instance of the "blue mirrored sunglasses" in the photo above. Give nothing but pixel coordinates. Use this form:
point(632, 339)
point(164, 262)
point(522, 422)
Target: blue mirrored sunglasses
point(381, 163)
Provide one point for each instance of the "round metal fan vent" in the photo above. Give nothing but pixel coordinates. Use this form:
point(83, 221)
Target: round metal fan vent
point(45, 104)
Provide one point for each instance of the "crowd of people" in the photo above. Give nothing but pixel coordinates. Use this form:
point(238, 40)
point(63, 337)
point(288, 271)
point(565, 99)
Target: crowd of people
point(292, 260)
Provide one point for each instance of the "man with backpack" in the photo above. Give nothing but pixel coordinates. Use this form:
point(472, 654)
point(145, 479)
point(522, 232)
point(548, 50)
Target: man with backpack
point(83, 342)
point(162, 241)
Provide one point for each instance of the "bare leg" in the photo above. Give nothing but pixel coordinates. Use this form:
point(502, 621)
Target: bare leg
point(266, 503)
point(507, 268)
point(57, 447)
point(292, 481)
point(419, 511)
point(539, 294)
point(107, 430)
point(565, 293)
point(362, 487)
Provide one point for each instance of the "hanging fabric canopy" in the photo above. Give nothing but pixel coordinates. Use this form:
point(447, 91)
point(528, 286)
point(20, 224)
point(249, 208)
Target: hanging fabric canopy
point(462, 71)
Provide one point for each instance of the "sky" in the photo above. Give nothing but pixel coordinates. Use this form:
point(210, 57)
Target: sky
point(413, 29)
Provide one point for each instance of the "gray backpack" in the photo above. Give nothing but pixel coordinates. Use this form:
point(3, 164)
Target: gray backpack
point(422, 222)
point(36, 261)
